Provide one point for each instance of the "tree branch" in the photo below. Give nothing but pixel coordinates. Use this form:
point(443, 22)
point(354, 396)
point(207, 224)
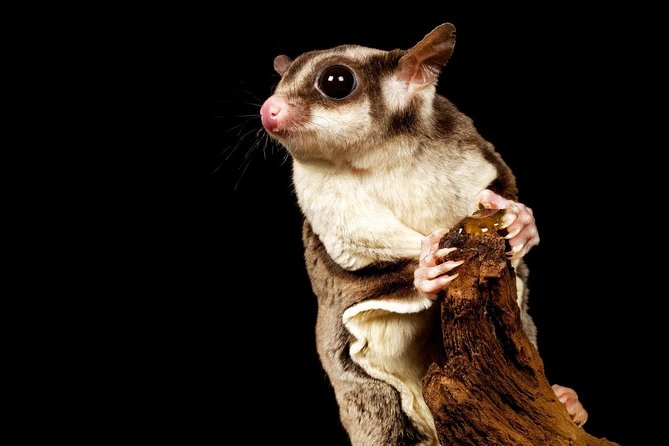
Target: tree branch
point(490, 388)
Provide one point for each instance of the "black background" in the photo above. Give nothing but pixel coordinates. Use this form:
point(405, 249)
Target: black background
point(238, 326)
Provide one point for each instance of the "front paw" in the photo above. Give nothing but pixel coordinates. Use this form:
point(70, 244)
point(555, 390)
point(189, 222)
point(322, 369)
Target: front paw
point(431, 276)
point(569, 398)
point(518, 221)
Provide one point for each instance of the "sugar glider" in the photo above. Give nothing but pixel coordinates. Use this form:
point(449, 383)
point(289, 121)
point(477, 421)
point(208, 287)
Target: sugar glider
point(381, 165)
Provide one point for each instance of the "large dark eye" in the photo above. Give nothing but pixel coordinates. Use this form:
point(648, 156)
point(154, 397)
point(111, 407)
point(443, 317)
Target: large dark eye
point(336, 82)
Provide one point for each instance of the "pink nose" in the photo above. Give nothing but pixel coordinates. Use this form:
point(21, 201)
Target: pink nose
point(274, 113)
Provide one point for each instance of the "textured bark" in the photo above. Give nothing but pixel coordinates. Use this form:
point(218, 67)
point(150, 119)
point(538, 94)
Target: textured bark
point(491, 388)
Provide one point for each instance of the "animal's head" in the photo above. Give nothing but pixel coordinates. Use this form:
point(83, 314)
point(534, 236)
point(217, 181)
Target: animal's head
point(333, 104)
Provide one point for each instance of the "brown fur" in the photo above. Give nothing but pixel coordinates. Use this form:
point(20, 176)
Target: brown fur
point(369, 408)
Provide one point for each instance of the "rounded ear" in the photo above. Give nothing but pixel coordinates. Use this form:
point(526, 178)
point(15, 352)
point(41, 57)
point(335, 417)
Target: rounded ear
point(421, 65)
point(281, 63)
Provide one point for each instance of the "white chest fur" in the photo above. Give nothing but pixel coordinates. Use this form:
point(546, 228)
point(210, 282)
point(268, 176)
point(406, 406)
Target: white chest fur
point(382, 214)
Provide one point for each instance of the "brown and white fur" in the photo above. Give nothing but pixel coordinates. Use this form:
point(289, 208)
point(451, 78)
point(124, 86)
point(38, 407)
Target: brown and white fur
point(375, 171)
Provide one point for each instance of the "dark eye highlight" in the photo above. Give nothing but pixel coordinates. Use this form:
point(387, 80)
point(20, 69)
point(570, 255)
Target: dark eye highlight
point(337, 82)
